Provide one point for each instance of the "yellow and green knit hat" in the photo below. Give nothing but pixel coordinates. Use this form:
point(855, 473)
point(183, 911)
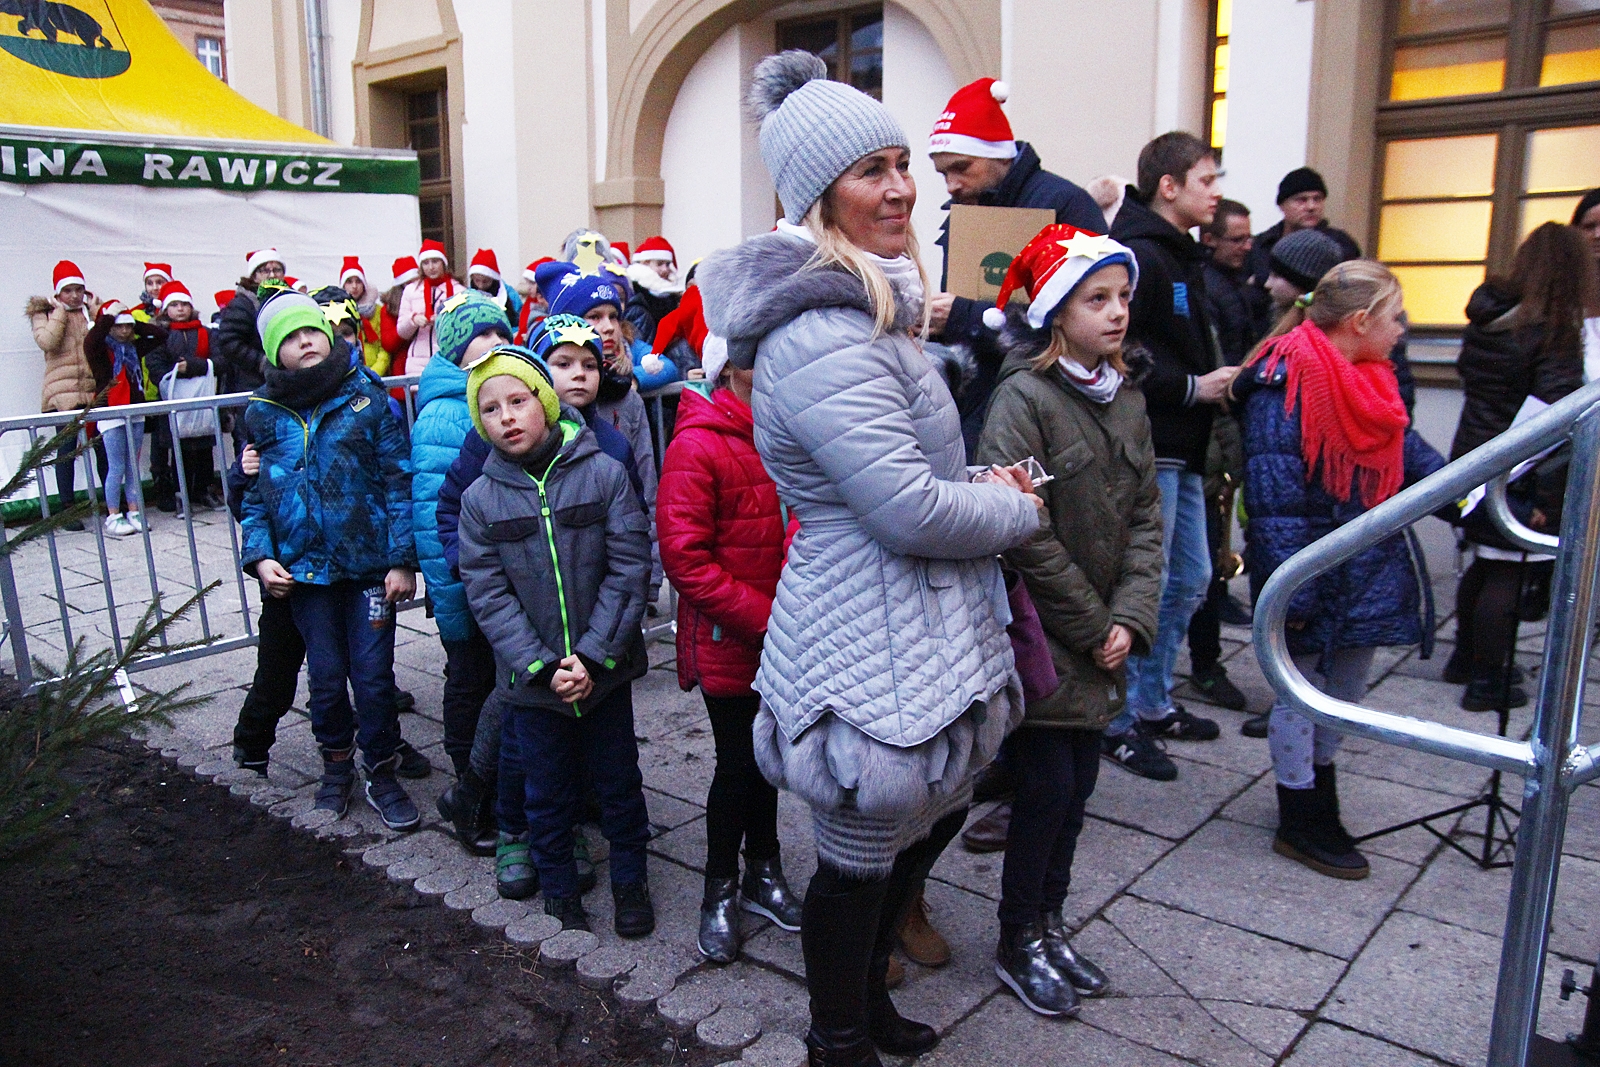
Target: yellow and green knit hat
point(519, 363)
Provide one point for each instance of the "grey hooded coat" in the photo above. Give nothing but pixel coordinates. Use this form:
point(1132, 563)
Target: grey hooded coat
point(890, 613)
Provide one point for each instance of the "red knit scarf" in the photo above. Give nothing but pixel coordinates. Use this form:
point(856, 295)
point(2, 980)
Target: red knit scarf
point(202, 348)
point(447, 283)
point(1352, 420)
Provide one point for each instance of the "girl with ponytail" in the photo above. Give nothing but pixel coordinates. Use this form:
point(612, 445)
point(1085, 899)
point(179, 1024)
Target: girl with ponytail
point(1326, 437)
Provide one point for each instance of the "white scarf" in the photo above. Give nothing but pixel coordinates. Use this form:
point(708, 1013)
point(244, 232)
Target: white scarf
point(904, 277)
point(1099, 385)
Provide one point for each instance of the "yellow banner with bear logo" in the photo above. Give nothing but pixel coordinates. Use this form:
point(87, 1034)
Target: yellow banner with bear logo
point(113, 65)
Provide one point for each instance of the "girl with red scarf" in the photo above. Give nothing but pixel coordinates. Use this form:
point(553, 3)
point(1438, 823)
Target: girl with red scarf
point(1326, 437)
point(188, 348)
point(422, 300)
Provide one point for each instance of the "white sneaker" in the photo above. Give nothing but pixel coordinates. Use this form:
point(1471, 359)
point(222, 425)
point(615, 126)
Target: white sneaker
point(117, 526)
point(136, 521)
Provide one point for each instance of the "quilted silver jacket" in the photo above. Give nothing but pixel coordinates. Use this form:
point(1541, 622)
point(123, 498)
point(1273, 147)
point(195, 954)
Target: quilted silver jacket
point(890, 612)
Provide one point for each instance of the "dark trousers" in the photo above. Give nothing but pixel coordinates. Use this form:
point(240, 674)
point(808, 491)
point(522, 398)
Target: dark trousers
point(1055, 772)
point(741, 806)
point(1205, 625)
point(279, 654)
point(550, 746)
point(468, 681)
point(163, 472)
point(198, 472)
point(66, 466)
point(349, 637)
point(1486, 612)
point(848, 924)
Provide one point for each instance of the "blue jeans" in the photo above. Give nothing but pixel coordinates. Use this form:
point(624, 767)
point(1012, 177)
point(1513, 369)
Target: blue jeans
point(349, 635)
point(1183, 590)
point(122, 467)
point(552, 748)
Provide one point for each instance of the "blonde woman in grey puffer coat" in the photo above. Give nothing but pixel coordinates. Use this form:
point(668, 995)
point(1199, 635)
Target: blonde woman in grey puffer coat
point(887, 678)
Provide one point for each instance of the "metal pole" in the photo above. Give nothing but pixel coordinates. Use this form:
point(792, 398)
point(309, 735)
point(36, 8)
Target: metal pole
point(1545, 795)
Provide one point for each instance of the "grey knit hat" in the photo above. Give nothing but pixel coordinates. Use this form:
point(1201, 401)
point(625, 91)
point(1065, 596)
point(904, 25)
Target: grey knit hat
point(1304, 256)
point(813, 129)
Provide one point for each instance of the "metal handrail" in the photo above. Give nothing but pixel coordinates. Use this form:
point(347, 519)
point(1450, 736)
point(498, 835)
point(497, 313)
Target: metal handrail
point(1551, 761)
point(1522, 537)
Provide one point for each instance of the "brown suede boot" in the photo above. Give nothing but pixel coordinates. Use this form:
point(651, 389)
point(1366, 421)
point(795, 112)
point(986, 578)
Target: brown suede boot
point(920, 941)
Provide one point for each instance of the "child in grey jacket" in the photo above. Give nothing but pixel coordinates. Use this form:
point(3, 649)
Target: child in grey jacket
point(555, 558)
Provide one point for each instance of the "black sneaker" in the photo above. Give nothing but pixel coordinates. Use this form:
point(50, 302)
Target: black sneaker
point(338, 782)
point(1488, 694)
point(1257, 726)
point(250, 761)
point(635, 915)
point(1179, 725)
point(404, 701)
point(413, 764)
point(389, 799)
point(569, 910)
point(1214, 687)
point(1135, 752)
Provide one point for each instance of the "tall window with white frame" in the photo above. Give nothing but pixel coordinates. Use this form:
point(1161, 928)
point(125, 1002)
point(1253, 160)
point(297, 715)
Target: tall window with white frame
point(1488, 129)
point(208, 50)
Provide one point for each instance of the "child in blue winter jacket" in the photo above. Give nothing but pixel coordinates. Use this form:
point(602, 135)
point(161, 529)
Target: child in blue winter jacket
point(467, 326)
point(327, 524)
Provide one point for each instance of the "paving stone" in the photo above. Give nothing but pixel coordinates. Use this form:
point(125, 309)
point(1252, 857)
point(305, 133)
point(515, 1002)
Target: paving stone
point(234, 774)
point(644, 989)
point(293, 807)
point(190, 757)
point(1228, 872)
point(729, 1030)
point(601, 968)
point(532, 929)
point(1270, 1030)
point(314, 818)
point(1325, 1044)
point(1365, 804)
point(567, 947)
point(1177, 1025)
point(1167, 809)
point(1006, 1034)
point(441, 882)
point(270, 796)
point(685, 1006)
point(398, 849)
point(776, 1050)
point(470, 896)
point(339, 828)
point(413, 867)
point(498, 914)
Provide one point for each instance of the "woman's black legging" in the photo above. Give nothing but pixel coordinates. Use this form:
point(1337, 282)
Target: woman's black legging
point(1486, 612)
point(742, 805)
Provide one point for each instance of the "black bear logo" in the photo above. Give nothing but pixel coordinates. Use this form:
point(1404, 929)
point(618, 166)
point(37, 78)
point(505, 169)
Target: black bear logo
point(50, 19)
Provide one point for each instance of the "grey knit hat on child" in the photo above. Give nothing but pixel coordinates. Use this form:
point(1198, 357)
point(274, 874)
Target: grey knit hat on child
point(813, 129)
point(1304, 257)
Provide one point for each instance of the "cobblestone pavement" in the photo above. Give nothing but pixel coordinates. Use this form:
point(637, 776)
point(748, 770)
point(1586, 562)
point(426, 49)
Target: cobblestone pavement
point(1220, 952)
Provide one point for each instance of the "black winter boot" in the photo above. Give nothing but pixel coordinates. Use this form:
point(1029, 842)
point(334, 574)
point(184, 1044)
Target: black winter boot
point(1327, 790)
point(1304, 837)
point(838, 930)
point(462, 805)
point(892, 1032)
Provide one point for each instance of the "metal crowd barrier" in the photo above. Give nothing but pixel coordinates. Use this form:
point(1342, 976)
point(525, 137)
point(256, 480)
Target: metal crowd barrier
point(217, 635)
point(1552, 762)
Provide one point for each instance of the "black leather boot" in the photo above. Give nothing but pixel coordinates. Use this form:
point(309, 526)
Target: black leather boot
point(1327, 790)
point(461, 805)
point(1303, 836)
point(1022, 962)
point(839, 925)
point(719, 939)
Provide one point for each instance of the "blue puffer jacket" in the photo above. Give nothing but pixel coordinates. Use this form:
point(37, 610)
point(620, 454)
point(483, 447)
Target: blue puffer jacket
point(443, 423)
point(1374, 598)
point(333, 500)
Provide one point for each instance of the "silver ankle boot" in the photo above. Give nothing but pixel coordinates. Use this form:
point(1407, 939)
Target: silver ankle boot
point(1087, 979)
point(1023, 964)
point(767, 894)
point(719, 921)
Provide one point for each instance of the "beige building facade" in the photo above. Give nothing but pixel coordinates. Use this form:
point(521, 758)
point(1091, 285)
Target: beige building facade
point(533, 118)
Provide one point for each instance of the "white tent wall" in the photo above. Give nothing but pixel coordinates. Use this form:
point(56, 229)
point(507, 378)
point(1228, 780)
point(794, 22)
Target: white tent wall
point(111, 230)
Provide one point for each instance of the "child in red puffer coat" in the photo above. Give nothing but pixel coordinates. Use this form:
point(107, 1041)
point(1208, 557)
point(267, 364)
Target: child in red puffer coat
point(721, 530)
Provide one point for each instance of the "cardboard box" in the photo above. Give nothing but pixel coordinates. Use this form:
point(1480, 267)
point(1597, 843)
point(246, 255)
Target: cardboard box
point(984, 241)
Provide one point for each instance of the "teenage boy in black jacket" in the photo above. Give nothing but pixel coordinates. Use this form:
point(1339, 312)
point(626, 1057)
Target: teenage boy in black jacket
point(1178, 367)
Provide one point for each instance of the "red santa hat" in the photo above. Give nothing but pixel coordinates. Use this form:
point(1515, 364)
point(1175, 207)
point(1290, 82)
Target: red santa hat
point(404, 270)
point(484, 263)
point(254, 261)
point(158, 270)
point(172, 292)
point(352, 267)
point(120, 315)
point(528, 271)
point(1050, 267)
point(66, 273)
point(655, 250)
point(223, 297)
point(973, 124)
point(432, 249)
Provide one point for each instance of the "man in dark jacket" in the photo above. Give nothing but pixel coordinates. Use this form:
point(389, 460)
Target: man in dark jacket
point(982, 164)
point(1239, 311)
point(1177, 366)
point(238, 341)
point(1303, 199)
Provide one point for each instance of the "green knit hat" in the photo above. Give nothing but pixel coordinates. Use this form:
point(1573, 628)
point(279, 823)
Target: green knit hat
point(284, 312)
point(521, 364)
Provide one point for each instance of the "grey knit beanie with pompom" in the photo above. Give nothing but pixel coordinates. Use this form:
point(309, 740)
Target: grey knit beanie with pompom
point(813, 129)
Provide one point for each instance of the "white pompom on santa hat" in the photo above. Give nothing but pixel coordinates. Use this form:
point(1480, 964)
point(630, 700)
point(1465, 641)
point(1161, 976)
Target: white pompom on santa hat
point(972, 123)
point(65, 274)
point(175, 292)
point(655, 250)
point(1052, 265)
point(254, 261)
point(484, 263)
